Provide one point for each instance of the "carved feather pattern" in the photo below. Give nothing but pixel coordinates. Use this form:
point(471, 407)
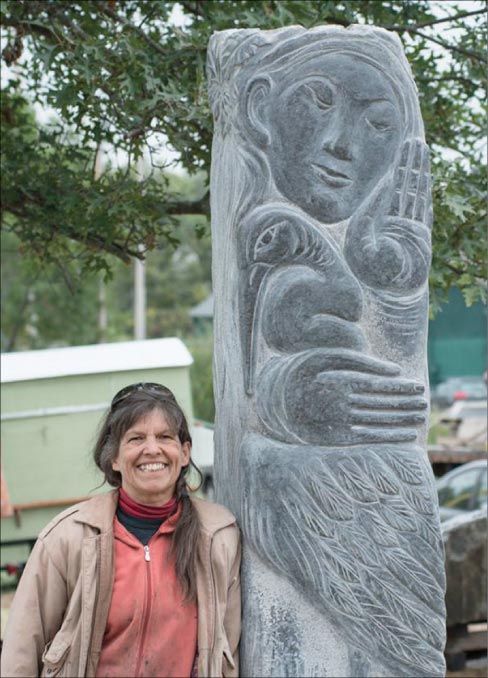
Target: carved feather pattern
point(352, 477)
point(407, 469)
point(329, 496)
point(351, 530)
point(419, 501)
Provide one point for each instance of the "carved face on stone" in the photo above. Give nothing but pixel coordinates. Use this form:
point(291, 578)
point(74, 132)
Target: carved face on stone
point(333, 131)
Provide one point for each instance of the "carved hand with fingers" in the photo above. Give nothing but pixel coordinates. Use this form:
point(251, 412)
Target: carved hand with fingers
point(387, 243)
point(338, 397)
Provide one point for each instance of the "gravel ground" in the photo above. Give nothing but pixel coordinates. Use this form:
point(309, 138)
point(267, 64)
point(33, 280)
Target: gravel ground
point(476, 668)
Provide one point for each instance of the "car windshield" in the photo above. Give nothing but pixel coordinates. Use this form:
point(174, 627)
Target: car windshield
point(483, 490)
point(460, 490)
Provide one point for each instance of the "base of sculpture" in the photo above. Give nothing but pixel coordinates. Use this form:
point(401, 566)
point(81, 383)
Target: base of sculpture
point(283, 635)
point(312, 606)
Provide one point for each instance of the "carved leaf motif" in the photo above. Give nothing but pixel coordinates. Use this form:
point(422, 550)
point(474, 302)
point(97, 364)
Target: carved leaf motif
point(355, 481)
point(380, 532)
point(319, 526)
point(406, 468)
point(344, 600)
point(420, 501)
point(431, 534)
point(402, 643)
point(417, 579)
point(397, 514)
point(400, 606)
point(344, 565)
point(332, 501)
point(361, 547)
point(381, 475)
point(339, 564)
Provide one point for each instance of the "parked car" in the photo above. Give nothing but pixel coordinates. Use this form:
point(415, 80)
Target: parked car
point(458, 388)
point(467, 421)
point(465, 544)
point(463, 489)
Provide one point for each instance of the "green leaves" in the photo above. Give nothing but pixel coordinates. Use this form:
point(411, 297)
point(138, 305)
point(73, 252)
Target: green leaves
point(121, 76)
point(459, 206)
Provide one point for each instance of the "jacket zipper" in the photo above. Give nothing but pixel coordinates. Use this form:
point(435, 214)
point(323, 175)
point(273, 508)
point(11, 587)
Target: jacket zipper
point(146, 609)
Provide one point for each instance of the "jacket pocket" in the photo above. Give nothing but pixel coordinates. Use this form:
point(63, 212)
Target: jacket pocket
point(54, 657)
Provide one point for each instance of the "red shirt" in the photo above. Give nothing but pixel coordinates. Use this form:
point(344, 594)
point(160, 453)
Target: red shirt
point(151, 631)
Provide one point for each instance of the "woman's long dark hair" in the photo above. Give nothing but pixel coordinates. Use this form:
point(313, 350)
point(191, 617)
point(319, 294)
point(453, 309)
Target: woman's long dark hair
point(123, 414)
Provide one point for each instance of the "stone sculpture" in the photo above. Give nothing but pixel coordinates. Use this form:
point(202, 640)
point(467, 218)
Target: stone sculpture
point(321, 217)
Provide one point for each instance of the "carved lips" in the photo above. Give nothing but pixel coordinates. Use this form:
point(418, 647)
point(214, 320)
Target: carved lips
point(332, 177)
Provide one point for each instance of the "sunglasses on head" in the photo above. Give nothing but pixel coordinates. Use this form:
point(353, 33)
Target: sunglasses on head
point(146, 387)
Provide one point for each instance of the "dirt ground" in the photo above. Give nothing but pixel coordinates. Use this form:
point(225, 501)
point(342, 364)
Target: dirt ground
point(477, 670)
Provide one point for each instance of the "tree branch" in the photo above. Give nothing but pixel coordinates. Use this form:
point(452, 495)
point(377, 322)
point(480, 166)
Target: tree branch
point(449, 78)
point(71, 24)
point(30, 26)
point(135, 29)
point(451, 48)
point(454, 269)
point(121, 252)
point(201, 206)
point(190, 9)
point(408, 27)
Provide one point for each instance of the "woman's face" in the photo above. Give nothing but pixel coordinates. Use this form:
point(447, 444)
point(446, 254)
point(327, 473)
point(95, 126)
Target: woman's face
point(333, 132)
point(150, 459)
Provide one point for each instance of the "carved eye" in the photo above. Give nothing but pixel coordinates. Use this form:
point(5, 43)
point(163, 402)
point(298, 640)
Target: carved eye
point(379, 125)
point(381, 116)
point(321, 93)
point(265, 239)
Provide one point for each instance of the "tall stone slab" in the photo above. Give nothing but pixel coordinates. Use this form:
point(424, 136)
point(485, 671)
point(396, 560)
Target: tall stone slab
point(321, 218)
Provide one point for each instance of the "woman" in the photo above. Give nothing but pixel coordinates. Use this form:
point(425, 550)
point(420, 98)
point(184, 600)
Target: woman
point(141, 581)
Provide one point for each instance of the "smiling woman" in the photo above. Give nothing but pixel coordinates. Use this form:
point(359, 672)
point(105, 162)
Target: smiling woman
point(151, 458)
point(133, 565)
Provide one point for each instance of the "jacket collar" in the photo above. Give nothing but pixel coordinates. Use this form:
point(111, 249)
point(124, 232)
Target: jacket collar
point(213, 517)
point(99, 512)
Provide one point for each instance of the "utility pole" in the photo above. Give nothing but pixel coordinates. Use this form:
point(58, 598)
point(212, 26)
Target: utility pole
point(139, 298)
point(140, 280)
point(102, 322)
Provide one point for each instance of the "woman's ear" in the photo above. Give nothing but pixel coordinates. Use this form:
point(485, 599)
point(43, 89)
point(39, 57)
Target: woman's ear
point(256, 101)
point(186, 453)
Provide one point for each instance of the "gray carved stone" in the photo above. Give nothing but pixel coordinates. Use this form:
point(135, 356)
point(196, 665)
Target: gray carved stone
point(321, 218)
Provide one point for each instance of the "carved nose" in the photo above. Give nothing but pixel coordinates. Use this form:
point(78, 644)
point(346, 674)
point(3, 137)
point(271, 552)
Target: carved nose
point(338, 140)
point(339, 147)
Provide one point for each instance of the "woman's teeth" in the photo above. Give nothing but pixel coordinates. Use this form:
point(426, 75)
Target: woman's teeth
point(152, 467)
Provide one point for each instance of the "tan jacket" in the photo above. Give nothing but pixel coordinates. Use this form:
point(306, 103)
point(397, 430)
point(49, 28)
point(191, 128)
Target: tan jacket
point(58, 617)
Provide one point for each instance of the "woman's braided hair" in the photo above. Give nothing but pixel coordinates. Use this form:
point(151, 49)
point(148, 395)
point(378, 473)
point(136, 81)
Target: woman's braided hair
point(129, 406)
